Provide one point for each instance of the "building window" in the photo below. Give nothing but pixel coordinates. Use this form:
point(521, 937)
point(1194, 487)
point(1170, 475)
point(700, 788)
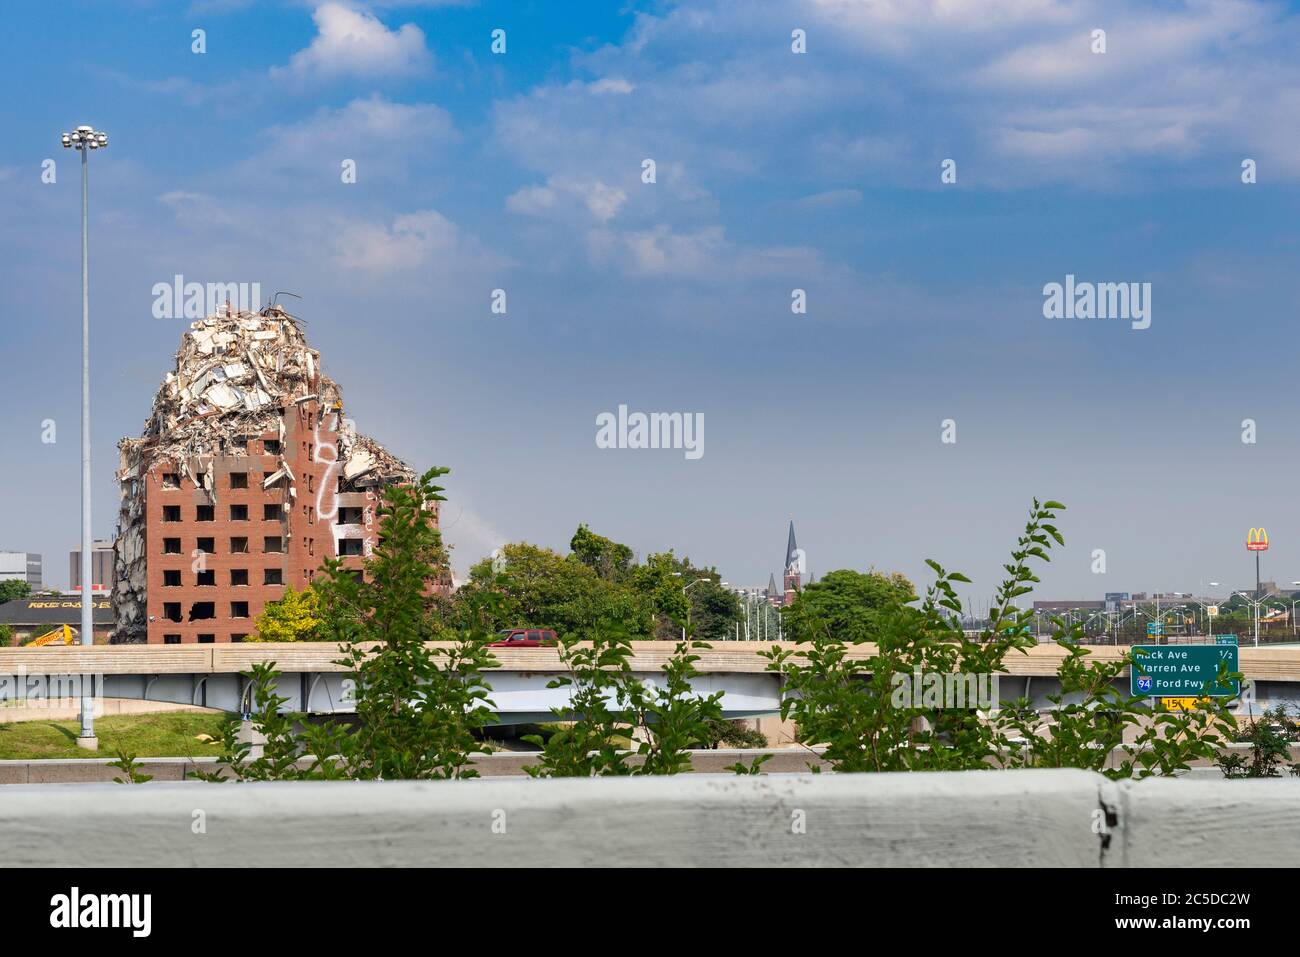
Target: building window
point(350, 516)
point(271, 446)
point(239, 576)
point(206, 578)
point(205, 513)
point(271, 513)
point(239, 609)
point(273, 576)
point(171, 513)
point(239, 637)
point(207, 545)
point(171, 546)
point(351, 546)
point(172, 578)
point(239, 513)
point(273, 543)
point(239, 546)
point(171, 480)
point(207, 639)
point(203, 610)
point(172, 610)
point(239, 480)
point(171, 639)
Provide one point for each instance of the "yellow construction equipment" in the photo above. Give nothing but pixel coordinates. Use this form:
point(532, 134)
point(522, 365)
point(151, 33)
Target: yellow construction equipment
point(52, 637)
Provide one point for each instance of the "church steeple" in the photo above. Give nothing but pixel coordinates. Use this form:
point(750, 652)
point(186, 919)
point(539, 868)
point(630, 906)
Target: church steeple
point(793, 568)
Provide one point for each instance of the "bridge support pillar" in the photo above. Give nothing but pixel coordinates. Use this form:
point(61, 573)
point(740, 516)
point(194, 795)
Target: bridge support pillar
point(251, 734)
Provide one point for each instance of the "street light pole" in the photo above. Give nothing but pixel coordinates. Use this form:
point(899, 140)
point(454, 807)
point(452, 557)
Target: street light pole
point(84, 139)
point(685, 589)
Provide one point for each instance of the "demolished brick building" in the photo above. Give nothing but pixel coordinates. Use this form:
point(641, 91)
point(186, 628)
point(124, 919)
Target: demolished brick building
point(246, 477)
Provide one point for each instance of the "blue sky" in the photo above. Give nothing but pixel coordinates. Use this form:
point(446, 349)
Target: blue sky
point(775, 171)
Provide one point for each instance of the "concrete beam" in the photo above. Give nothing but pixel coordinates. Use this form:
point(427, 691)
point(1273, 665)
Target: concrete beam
point(984, 818)
point(1264, 664)
point(1049, 818)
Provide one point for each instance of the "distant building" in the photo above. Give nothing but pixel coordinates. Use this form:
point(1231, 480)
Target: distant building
point(792, 578)
point(101, 567)
point(1075, 605)
point(247, 477)
point(21, 566)
point(32, 617)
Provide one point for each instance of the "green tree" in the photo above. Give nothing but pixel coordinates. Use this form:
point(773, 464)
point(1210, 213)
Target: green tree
point(295, 616)
point(14, 588)
point(607, 558)
point(539, 588)
point(845, 604)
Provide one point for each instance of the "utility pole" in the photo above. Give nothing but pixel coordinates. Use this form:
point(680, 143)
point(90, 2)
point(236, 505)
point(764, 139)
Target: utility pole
point(84, 139)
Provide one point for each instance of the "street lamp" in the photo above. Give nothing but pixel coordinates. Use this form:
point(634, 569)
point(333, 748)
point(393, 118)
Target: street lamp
point(1255, 603)
point(84, 139)
point(685, 589)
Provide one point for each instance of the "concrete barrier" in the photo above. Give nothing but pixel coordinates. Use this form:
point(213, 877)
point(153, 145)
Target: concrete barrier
point(998, 818)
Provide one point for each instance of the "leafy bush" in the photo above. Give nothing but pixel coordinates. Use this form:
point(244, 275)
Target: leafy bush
point(842, 698)
point(1270, 738)
point(295, 616)
point(734, 734)
point(608, 703)
point(418, 708)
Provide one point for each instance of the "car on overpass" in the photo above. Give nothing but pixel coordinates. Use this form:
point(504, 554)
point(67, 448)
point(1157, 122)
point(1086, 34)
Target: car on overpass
point(524, 638)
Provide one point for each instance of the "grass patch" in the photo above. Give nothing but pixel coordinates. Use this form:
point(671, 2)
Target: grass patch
point(157, 735)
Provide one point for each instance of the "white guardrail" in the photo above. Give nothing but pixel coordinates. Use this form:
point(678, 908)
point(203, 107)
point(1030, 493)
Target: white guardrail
point(996, 818)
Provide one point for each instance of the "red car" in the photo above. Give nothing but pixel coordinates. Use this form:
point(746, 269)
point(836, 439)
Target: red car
point(524, 638)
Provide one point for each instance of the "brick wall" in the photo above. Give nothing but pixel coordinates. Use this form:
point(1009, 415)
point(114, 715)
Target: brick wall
point(303, 513)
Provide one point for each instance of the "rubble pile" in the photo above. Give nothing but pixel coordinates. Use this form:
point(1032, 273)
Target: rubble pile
point(236, 372)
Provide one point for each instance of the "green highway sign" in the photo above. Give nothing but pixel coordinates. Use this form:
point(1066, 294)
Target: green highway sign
point(1225, 639)
point(1178, 671)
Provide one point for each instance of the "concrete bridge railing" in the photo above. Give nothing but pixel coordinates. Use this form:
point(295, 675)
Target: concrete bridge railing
point(997, 818)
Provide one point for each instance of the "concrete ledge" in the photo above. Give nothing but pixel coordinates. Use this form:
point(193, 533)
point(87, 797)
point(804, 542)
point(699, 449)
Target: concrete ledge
point(1052, 818)
point(1007, 818)
point(1201, 822)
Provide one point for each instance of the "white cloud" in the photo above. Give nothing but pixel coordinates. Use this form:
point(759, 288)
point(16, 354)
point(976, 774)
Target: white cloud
point(385, 138)
point(561, 194)
point(353, 42)
point(611, 85)
point(424, 241)
point(1001, 85)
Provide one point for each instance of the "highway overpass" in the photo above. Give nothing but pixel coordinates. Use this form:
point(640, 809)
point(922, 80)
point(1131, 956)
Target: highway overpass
point(213, 675)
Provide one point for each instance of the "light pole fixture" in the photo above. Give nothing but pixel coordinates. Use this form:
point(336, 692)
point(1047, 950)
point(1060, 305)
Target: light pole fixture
point(84, 139)
point(685, 589)
point(1254, 603)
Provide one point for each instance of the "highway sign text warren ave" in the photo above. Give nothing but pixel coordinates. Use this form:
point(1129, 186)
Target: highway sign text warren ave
point(1182, 671)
